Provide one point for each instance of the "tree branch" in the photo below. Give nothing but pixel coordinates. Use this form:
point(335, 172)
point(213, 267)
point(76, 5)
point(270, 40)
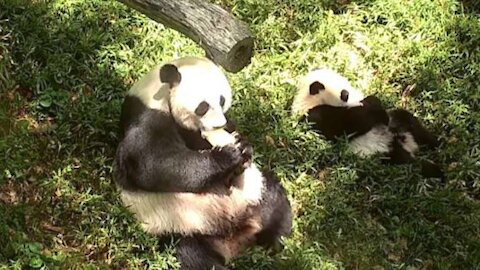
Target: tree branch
point(226, 40)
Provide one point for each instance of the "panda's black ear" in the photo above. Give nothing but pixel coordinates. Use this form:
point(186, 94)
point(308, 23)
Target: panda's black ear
point(316, 87)
point(169, 74)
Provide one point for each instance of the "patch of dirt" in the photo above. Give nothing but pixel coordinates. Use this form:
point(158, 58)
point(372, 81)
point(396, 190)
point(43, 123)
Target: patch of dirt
point(14, 193)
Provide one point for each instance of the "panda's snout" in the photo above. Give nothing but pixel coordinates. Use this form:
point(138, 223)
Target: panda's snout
point(344, 95)
point(219, 126)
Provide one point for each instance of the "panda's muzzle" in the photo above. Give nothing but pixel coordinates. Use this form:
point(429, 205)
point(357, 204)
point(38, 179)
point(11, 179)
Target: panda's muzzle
point(218, 127)
point(213, 121)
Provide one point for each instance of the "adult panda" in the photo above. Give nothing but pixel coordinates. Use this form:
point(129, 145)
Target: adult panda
point(336, 109)
point(213, 199)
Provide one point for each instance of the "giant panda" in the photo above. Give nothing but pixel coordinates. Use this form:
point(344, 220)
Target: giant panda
point(208, 195)
point(336, 109)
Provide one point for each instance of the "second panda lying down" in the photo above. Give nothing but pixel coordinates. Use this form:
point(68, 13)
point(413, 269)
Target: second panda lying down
point(336, 109)
point(208, 193)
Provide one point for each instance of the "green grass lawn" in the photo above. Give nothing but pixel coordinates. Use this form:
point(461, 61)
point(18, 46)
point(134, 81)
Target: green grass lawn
point(65, 66)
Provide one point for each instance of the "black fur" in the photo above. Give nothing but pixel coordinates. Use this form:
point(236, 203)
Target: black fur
point(275, 209)
point(169, 74)
point(336, 122)
point(154, 136)
point(344, 95)
point(398, 154)
point(276, 214)
point(158, 155)
point(316, 87)
point(194, 253)
point(195, 141)
point(132, 109)
point(403, 121)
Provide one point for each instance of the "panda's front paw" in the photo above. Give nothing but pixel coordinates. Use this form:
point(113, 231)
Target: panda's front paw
point(230, 160)
point(246, 148)
point(228, 157)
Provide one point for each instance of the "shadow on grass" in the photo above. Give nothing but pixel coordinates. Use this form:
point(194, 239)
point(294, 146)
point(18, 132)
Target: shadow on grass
point(287, 21)
point(392, 217)
point(471, 6)
point(56, 191)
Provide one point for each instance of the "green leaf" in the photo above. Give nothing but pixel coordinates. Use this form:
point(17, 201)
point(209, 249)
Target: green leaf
point(22, 125)
point(35, 262)
point(58, 257)
point(46, 101)
point(35, 247)
point(89, 267)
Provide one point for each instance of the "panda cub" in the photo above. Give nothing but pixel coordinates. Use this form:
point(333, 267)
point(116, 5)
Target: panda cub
point(336, 109)
point(208, 194)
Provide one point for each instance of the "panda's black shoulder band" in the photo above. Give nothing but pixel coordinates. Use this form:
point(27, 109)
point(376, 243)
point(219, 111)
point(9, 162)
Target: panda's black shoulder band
point(169, 74)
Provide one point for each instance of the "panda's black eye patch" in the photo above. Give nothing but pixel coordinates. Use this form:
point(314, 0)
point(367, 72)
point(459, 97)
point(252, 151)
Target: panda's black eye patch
point(222, 101)
point(202, 108)
point(316, 87)
point(344, 95)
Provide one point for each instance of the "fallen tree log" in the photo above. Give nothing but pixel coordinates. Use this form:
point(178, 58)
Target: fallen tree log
point(226, 40)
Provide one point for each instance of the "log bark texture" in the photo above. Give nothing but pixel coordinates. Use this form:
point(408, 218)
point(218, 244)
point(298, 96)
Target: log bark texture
point(226, 40)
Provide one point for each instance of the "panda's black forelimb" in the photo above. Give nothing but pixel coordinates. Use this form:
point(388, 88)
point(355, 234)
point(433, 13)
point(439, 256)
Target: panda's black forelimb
point(153, 157)
point(196, 254)
point(243, 143)
point(335, 122)
point(246, 149)
point(402, 120)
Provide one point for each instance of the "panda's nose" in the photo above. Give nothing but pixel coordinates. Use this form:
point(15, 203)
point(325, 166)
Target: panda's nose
point(344, 95)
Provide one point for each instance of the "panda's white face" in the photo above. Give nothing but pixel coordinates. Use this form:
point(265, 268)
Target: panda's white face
point(203, 96)
point(325, 87)
point(193, 89)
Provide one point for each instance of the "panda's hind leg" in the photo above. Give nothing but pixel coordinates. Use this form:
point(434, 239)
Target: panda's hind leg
point(276, 214)
point(403, 121)
point(194, 253)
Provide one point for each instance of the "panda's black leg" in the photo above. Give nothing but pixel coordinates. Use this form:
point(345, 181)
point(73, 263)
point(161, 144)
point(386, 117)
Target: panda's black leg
point(196, 254)
point(276, 214)
point(431, 170)
point(398, 154)
point(403, 120)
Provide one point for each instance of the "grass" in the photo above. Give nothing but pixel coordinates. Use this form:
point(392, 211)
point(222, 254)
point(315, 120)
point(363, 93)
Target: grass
point(66, 64)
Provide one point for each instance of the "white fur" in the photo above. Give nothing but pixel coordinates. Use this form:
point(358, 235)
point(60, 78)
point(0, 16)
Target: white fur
point(377, 140)
point(189, 213)
point(249, 184)
point(233, 245)
point(409, 143)
point(218, 137)
point(151, 91)
point(201, 80)
point(334, 83)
